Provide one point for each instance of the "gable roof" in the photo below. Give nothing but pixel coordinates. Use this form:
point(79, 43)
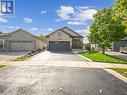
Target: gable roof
point(4, 34)
point(8, 34)
point(21, 30)
point(69, 32)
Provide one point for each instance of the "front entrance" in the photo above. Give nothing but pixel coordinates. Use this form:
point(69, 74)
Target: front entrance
point(59, 46)
point(77, 43)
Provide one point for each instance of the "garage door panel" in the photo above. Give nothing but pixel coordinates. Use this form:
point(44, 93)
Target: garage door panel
point(19, 46)
point(59, 46)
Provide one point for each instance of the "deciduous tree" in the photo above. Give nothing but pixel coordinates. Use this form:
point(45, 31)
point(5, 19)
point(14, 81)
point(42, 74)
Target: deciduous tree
point(120, 11)
point(42, 37)
point(105, 29)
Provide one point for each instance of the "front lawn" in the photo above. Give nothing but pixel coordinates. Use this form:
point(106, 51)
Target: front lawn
point(99, 57)
point(22, 58)
point(121, 71)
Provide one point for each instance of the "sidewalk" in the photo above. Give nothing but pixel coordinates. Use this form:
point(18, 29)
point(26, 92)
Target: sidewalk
point(69, 64)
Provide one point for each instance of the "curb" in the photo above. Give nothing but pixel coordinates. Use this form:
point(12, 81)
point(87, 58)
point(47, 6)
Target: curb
point(119, 76)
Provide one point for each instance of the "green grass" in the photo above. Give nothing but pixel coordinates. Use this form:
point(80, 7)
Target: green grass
point(19, 59)
point(99, 57)
point(1, 66)
point(121, 71)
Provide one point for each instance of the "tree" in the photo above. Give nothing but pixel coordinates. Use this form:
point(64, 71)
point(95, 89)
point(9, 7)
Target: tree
point(105, 29)
point(120, 11)
point(42, 37)
point(120, 8)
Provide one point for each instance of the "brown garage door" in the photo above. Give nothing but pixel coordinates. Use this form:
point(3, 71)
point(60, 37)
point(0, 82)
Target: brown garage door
point(59, 46)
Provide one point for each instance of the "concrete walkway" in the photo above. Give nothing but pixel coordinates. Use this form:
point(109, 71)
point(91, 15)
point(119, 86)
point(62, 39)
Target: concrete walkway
point(70, 64)
point(63, 59)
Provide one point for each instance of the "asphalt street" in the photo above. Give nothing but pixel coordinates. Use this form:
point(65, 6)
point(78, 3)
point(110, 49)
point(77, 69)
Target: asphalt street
point(51, 80)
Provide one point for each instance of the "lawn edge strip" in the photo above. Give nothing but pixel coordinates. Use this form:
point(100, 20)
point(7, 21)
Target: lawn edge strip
point(116, 74)
point(5, 66)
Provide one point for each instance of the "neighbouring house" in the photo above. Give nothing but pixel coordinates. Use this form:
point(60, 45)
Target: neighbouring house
point(20, 40)
point(96, 47)
point(116, 45)
point(64, 39)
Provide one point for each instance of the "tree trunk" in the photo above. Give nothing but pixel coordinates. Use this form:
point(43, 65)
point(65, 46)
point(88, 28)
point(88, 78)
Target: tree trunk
point(103, 50)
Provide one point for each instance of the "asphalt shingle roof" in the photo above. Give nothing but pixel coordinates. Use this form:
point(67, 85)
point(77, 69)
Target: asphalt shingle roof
point(4, 34)
point(69, 32)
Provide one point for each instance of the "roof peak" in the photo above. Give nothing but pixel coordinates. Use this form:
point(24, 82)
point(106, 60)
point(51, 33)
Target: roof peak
point(65, 27)
point(20, 29)
point(68, 31)
point(72, 31)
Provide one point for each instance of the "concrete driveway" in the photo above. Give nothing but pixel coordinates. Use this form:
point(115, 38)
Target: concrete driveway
point(4, 56)
point(57, 56)
point(52, 80)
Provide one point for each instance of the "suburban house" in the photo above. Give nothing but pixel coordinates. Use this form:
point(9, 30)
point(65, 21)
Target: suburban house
point(64, 39)
point(96, 47)
point(116, 45)
point(20, 40)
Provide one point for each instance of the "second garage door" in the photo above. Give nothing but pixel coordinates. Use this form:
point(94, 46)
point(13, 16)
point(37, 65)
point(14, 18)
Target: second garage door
point(21, 46)
point(59, 46)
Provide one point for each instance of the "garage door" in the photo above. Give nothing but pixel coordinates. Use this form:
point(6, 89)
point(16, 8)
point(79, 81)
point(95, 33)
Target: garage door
point(59, 46)
point(21, 46)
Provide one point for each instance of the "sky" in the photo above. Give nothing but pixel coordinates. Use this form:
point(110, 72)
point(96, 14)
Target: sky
point(46, 16)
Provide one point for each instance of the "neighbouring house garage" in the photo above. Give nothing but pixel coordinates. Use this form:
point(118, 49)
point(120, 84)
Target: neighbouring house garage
point(20, 40)
point(117, 44)
point(59, 46)
point(21, 45)
point(64, 39)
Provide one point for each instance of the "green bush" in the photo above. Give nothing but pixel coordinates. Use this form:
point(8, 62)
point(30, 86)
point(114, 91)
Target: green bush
point(39, 50)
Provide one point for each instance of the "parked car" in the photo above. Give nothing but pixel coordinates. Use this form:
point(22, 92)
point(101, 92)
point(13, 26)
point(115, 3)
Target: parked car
point(123, 49)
